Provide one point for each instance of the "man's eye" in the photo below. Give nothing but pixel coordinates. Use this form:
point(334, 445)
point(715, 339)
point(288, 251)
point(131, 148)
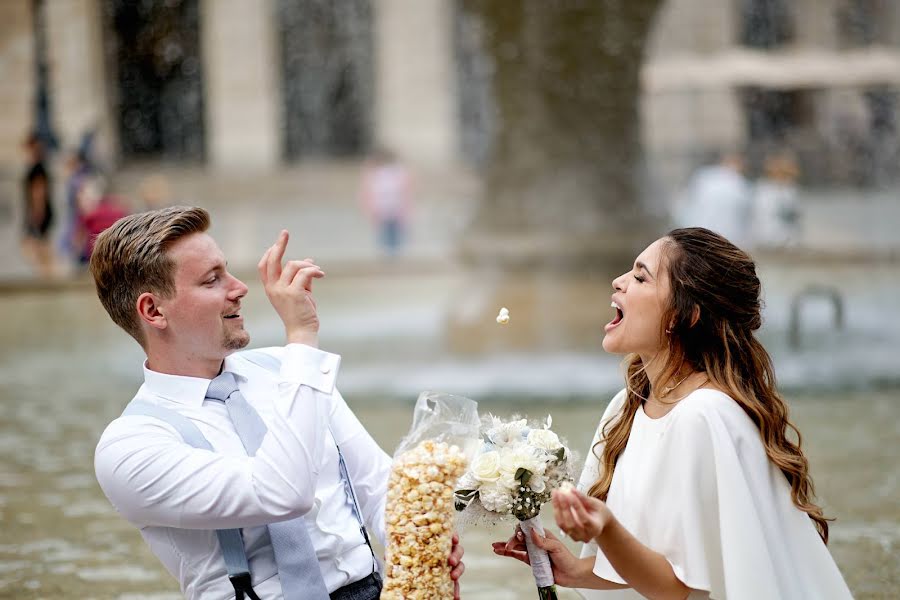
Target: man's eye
point(211, 280)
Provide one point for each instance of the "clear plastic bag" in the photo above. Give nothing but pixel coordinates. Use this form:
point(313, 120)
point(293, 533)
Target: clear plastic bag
point(419, 512)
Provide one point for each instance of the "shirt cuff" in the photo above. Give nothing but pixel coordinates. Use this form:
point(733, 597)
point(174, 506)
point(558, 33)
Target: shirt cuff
point(310, 366)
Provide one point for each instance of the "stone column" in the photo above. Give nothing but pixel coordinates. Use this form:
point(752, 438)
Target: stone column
point(415, 81)
point(78, 78)
point(17, 90)
point(242, 91)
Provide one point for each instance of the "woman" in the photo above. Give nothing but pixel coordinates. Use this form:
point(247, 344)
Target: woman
point(695, 487)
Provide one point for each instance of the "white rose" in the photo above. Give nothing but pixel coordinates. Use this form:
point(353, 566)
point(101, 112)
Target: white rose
point(486, 467)
point(537, 484)
point(544, 439)
point(518, 457)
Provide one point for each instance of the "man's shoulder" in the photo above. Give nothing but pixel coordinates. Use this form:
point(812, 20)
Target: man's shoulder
point(268, 358)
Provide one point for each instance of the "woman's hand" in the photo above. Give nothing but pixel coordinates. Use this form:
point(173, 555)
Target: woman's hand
point(581, 517)
point(568, 570)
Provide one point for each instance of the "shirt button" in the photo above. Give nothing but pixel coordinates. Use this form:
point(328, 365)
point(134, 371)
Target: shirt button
point(325, 369)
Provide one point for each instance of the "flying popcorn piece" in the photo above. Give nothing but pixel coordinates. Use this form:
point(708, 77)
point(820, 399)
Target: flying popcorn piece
point(503, 317)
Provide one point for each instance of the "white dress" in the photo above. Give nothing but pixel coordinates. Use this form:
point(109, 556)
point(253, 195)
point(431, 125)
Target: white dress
point(696, 486)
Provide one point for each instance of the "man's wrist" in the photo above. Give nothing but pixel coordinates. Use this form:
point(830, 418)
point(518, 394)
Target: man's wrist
point(306, 338)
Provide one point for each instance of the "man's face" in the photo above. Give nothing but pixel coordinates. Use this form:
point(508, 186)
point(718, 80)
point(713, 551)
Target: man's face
point(203, 316)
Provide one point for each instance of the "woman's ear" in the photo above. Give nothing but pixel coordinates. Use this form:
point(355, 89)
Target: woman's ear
point(695, 315)
point(149, 311)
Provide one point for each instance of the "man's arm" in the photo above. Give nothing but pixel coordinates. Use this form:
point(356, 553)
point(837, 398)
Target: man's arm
point(369, 466)
point(153, 478)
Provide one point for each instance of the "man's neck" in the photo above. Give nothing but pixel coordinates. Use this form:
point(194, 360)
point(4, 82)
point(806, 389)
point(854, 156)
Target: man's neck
point(184, 366)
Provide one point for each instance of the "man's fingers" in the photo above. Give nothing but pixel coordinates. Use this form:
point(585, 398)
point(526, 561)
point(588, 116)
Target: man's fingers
point(457, 571)
point(292, 267)
point(262, 266)
point(303, 278)
point(276, 253)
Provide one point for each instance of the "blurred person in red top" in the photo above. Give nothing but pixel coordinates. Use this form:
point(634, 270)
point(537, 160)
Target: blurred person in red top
point(97, 212)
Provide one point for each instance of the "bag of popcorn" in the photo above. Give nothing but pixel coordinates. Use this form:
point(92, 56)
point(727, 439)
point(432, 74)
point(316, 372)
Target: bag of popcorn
point(419, 511)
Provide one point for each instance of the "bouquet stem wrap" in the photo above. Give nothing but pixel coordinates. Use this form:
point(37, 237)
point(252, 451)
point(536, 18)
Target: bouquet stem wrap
point(539, 559)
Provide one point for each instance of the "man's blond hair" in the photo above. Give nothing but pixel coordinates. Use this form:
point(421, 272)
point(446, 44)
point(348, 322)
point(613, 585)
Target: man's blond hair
point(131, 258)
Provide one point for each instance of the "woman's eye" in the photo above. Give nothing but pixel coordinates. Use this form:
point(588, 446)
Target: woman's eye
point(639, 278)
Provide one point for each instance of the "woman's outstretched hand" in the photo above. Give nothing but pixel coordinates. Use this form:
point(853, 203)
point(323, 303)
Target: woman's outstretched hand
point(581, 517)
point(568, 570)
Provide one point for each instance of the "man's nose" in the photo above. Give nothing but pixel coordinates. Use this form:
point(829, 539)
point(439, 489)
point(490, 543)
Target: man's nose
point(239, 289)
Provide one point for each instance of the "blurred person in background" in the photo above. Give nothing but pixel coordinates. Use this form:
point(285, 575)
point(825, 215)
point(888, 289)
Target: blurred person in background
point(38, 208)
point(78, 169)
point(97, 212)
point(386, 199)
point(718, 197)
point(695, 486)
point(245, 471)
point(776, 211)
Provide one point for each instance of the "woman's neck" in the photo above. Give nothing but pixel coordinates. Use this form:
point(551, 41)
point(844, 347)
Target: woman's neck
point(666, 386)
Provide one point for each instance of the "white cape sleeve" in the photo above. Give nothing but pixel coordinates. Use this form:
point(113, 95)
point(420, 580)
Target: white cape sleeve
point(722, 514)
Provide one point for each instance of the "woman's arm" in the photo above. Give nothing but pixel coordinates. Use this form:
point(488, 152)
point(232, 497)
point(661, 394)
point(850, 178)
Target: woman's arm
point(584, 519)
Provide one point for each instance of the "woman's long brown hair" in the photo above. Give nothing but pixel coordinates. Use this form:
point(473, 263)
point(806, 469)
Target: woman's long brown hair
point(709, 273)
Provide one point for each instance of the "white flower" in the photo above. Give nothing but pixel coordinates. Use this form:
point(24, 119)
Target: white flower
point(503, 434)
point(486, 467)
point(537, 484)
point(544, 439)
point(494, 498)
point(513, 458)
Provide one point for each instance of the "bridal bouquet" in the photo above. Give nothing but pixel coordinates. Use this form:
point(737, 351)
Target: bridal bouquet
point(513, 474)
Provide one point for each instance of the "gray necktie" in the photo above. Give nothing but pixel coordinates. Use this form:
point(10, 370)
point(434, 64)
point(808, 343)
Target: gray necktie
point(298, 567)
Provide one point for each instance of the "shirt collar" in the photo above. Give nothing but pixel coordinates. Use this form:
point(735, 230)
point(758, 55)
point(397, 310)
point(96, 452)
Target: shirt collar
point(181, 388)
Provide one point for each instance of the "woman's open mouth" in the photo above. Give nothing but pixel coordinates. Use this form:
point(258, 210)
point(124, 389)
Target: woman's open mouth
point(620, 316)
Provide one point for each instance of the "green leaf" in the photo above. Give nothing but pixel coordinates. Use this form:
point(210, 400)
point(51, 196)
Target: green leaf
point(523, 475)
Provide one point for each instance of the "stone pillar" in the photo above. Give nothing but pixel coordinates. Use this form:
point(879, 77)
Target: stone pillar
point(17, 89)
point(240, 79)
point(78, 78)
point(415, 80)
point(816, 24)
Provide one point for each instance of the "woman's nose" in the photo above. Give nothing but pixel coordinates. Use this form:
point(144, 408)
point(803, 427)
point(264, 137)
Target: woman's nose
point(618, 283)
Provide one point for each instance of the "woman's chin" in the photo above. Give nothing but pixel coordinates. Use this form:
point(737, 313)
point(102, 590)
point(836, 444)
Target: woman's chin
point(612, 345)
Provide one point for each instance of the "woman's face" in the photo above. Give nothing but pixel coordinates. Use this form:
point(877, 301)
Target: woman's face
point(641, 297)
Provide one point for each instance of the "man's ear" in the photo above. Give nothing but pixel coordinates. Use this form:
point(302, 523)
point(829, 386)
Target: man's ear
point(150, 312)
point(695, 315)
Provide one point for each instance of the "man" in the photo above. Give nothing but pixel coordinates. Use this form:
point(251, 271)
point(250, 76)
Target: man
point(219, 445)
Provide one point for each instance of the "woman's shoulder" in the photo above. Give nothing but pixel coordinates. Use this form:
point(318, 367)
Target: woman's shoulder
point(708, 407)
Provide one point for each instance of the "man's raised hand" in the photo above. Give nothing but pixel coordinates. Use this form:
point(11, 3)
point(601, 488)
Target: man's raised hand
point(289, 289)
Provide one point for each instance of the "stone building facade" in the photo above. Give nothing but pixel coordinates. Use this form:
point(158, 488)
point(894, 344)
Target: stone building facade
point(813, 69)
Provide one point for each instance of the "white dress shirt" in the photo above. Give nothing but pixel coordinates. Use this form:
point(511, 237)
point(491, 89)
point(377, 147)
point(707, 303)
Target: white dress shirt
point(178, 495)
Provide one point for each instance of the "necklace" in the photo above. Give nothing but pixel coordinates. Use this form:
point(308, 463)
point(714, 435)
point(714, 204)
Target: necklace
point(668, 389)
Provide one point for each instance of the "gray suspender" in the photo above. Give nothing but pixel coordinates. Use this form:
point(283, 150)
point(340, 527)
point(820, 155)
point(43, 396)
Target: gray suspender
point(230, 540)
